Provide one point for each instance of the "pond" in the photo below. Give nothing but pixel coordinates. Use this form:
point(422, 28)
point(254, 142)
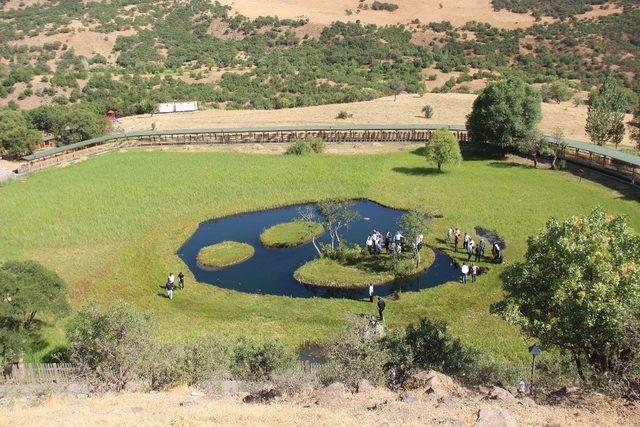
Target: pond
point(270, 270)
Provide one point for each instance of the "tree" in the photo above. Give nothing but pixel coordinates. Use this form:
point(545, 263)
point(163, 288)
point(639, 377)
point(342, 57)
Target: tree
point(558, 146)
point(535, 144)
point(605, 118)
point(398, 87)
point(443, 148)
point(110, 346)
point(336, 215)
point(17, 138)
point(574, 290)
point(412, 225)
point(28, 292)
point(69, 124)
point(427, 110)
point(635, 127)
point(504, 112)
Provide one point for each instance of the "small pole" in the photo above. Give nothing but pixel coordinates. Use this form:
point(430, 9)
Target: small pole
point(535, 351)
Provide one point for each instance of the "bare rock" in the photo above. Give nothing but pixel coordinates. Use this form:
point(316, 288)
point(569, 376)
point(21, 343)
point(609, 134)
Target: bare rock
point(446, 400)
point(566, 391)
point(189, 402)
point(264, 395)
point(230, 387)
point(450, 422)
point(526, 401)
point(494, 417)
point(500, 394)
point(364, 386)
point(78, 388)
point(331, 395)
point(408, 397)
point(434, 383)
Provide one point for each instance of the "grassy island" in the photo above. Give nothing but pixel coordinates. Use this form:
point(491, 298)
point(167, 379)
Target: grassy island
point(359, 271)
point(290, 234)
point(224, 254)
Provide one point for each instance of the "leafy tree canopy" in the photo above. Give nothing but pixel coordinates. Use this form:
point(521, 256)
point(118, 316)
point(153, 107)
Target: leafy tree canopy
point(504, 112)
point(607, 106)
point(16, 136)
point(579, 281)
point(443, 148)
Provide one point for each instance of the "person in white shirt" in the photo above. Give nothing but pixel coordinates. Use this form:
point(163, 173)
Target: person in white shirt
point(449, 234)
point(465, 241)
point(465, 271)
point(369, 244)
point(370, 293)
point(474, 273)
point(470, 245)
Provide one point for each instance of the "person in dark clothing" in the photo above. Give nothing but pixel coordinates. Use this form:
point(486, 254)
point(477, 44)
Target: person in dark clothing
point(387, 242)
point(456, 241)
point(481, 246)
point(478, 252)
point(381, 306)
point(181, 280)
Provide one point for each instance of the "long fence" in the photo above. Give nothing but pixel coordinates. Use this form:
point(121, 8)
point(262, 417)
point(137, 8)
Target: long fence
point(613, 162)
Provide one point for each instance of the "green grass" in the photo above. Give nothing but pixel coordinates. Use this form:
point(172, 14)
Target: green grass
point(111, 226)
point(290, 234)
point(360, 273)
point(224, 254)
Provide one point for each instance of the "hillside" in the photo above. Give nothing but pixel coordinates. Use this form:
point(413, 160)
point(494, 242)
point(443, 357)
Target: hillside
point(128, 56)
point(449, 405)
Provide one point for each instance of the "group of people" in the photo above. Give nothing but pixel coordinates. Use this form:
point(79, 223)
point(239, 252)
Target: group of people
point(469, 246)
point(171, 284)
point(392, 243)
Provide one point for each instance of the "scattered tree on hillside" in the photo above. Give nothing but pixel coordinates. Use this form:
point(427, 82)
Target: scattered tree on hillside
point(398, 87)
point(69, 124)
point(443, 148)
point(575, 289)
point(427, 110)
point(605, 119)
point(28, 291)
point(110, 346)
point(17, 138)
point(412, 225)
point(504, 113)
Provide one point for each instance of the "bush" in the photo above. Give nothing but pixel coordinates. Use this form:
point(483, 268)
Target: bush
point(110, 347)
point(428, 111)
point(298, 148)
point(342, 115)
point(376, 5)
point(316, 145)
point(357, 353)
point(258, 361)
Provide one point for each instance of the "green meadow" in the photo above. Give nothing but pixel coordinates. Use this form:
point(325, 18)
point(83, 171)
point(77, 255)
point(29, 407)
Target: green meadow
point(111, 225)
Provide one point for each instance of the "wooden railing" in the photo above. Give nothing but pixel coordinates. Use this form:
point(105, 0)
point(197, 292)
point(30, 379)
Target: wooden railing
point(613, 162)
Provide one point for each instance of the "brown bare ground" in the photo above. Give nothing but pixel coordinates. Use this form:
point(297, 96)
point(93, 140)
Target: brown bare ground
point(449, 108)
point(183, 407)
point(327, 11)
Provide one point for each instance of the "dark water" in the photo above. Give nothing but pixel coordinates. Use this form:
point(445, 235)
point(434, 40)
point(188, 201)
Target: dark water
point(270, 270)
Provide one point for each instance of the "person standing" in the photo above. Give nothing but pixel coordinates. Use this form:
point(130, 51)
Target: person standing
point(465, 241)
point(169, 287)
point(369, 243)
point(370, 293)
point(474, 273)
point(456, 242)
point(481, 247)
point(181, 280)
point(387, 241)
point(449, 234)
point(171, 279)
point(381, 306)
point(470, 246)
point(465, 272)
point(477, 251)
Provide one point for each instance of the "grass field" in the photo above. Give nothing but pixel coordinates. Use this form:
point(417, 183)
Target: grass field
point(111, 226)
point(291, 234)
point(224, 254)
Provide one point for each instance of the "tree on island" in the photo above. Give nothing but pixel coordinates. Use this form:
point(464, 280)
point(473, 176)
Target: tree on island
point(605, 118)
point(578, 289)
point(412, 225)
point(335, 215)
point(27, 292)
point(443, 148)
point(504, 112)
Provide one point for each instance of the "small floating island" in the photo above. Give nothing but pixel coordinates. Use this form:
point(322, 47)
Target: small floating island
point(362, 270)
point(291, 234)
point(224, 254)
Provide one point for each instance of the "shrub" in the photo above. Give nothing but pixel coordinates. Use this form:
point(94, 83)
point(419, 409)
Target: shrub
point(428, 111)
point(110, 347)
point(376, 5)
point(258, 361)
point(355, 354)
point(316, 145)
point(342, 115)
point(298, 148)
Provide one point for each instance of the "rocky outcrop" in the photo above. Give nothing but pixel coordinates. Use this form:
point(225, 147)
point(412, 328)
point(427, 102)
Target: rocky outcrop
point(434, 383)
point(494, 417)
point(264, 395)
